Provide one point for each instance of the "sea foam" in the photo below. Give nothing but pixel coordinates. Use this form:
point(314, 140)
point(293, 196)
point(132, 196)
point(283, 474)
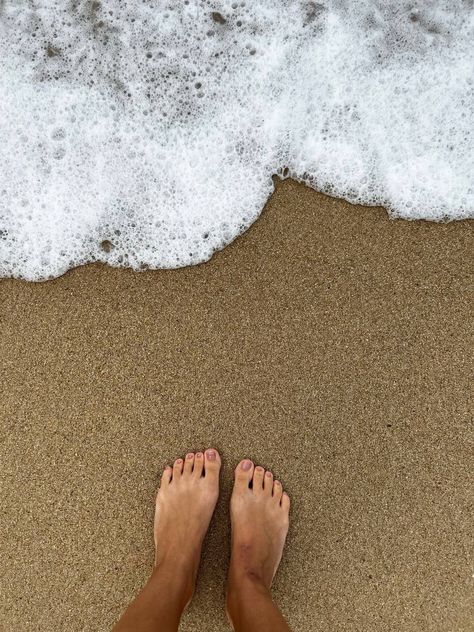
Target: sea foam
point(146, 133)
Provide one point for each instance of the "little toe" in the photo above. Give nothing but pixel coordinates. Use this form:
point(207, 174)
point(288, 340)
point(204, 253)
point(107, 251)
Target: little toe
point(212, 463)
point(177, 469)
point(198, 464)
point(243, 474)
point(277, 491)
point(268, 483)
point(285, 502)
point(166, 476)
point(188, 464)
point(258, 476)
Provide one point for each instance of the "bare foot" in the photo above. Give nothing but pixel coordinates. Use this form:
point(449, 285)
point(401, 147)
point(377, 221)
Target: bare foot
point(259, 511)
point(184, 506)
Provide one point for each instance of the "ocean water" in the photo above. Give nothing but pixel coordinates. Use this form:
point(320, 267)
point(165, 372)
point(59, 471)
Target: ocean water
point(146, 133)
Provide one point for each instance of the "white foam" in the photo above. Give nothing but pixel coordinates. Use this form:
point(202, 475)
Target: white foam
point(145, 134)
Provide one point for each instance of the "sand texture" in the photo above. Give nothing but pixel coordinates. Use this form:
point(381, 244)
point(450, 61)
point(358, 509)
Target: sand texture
point(328, 342)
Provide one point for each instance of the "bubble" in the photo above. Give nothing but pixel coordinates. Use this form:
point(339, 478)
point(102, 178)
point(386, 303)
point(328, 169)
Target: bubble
point(59, 134)
point(59, 153)
point(51, 51)
point(106, 245)
point(218, 17)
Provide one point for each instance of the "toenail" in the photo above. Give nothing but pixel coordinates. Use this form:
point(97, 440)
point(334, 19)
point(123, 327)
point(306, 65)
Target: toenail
point(178, 461)
point(211, 455)
point(190, 455)
point(199, 455)
point(246, 465)
point(259, 469)
point(269, 473)
point(277, 483)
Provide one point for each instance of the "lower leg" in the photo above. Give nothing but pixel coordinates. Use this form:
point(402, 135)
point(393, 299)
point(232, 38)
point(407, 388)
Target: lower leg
point(184, 507)
point(161, 602)
point(259, 515)
point(251, 609)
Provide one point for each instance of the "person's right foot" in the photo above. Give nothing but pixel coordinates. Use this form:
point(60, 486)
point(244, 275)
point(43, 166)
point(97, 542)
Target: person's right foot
point(184, 506)
point(259, 511)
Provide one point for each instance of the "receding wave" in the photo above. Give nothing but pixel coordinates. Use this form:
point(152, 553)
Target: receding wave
point(146, 134)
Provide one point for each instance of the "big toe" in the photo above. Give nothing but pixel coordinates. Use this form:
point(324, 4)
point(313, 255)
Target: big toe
point(212, 464)
point(243, 474)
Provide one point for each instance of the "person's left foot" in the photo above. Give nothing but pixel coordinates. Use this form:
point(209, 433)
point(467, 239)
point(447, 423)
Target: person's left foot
point(184, 506)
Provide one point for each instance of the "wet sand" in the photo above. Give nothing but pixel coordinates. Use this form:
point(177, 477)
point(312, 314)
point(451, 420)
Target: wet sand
point(328, 342)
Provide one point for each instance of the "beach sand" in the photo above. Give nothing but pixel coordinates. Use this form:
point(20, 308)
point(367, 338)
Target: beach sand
point(328, 343)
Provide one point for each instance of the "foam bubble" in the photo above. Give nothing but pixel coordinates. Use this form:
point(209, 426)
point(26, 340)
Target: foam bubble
point(146, 134)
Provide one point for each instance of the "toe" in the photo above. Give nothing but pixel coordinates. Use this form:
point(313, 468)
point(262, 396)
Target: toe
point(198, 464)
point(268, 483)
point(166, 476)
point(277, 491)
point(285, 502)
point(212, 463)
point(258, 477)
point(243, 474)
point(188, 464)
point(177, 469)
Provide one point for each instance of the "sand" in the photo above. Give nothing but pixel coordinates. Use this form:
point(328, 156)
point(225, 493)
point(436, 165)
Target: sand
point(328, 342)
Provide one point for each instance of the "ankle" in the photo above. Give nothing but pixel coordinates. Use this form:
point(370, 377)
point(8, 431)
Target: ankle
point(179, 560)
point(242, 581)
point(247, 567)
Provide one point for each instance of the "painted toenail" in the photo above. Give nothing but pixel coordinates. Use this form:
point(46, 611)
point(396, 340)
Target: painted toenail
point(211, 455)
point(190, 455)
point(269, 473)
point(246, 465)
point(178, 461)
point(199, 455)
